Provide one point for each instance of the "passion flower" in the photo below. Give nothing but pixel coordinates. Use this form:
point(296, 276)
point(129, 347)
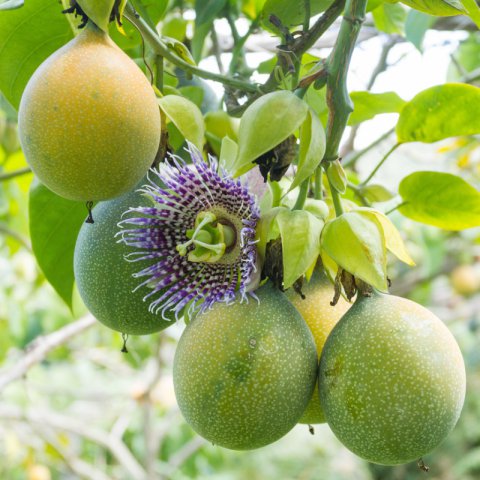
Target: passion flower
point(198, 238)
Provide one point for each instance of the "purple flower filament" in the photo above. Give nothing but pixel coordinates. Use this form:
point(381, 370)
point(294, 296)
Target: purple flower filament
point(197, 238)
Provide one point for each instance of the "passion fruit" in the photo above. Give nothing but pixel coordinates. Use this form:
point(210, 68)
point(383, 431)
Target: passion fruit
point(103, 275)
point(244, 373)
point(392, 380)
point(320, 317)
point(89, 122)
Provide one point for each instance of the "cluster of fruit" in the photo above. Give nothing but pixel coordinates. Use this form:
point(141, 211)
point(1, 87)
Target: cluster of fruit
point(391, 379)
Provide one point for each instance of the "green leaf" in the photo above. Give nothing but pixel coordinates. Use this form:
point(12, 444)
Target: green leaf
point(54, 226)
point(439, 8)
point(179, 49)
point(11, 4)
point(416, 26)
point(473, 10)
point(98, 11)
point(205, 13)
point(291, 13)
point(27, 37)
point(228, 153)
point(186, 116)
point(300, 232)
point(440, 112)
point(266, 123)
point(390, 18)
point(440, 199)
point(355, 241)
point(393, 239)
point(376, 193)
point(312, 148)
point(366, 105)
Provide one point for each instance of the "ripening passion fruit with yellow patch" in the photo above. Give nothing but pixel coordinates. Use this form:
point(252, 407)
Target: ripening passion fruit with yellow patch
point(321, 317)
point(89, 122)
point(391, 380)
point(244, 373)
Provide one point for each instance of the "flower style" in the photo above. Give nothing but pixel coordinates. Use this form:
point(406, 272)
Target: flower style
point(198, 237)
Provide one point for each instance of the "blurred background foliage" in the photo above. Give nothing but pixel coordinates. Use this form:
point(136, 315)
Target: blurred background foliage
point(87, 410)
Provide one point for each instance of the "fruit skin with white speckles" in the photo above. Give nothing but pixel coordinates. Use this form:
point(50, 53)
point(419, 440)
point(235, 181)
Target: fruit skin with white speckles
point(320, 317)
point(244, 373)
point(392, 380)
point(104, 278)
point(89, 122)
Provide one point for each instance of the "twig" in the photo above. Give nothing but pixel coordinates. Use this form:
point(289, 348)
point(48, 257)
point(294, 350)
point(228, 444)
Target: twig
point(80, 427)
point(217, 51)
point(380, 163)
point(350, 161)
point(186, 452)
point(75, 464)
point(40, 347)
point(5, 230)
point(14, 174)
point(298, 49)
point(161, 49)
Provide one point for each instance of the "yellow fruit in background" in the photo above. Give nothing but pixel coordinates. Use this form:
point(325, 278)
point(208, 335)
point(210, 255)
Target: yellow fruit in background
point(244, 373)
point(465, 280)
point(89, 122)
point(320, 317)
point(392, 380)
point(38, 472)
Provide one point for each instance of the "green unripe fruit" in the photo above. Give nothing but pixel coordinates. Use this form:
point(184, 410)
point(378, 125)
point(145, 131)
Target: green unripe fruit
point(392, 380)
point(89, 122)
point(104, 277)
point(244, 373)
point(320, 317)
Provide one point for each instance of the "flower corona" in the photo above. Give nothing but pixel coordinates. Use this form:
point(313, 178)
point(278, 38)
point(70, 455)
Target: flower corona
point(198, 237)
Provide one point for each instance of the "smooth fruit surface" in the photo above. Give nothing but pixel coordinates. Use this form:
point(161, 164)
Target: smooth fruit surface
point(89, 122)
point(320, 317)
point(392, 380)
point(104, 277)
point(244, 373)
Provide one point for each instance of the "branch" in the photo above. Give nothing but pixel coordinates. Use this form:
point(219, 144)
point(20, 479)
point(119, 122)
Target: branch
point(6, 230)
point(82, 428)
point(161, 49)
point(352, 160)
point(298, 49)
point(308, 39)
point(37, 350)
point(338, 101)
point(16, 173)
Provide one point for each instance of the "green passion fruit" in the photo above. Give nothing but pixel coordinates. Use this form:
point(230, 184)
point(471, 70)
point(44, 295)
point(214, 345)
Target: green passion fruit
point(244, 373)
point(391, 380)
point(320, 317)
point(89, 122)
point(104, 278)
